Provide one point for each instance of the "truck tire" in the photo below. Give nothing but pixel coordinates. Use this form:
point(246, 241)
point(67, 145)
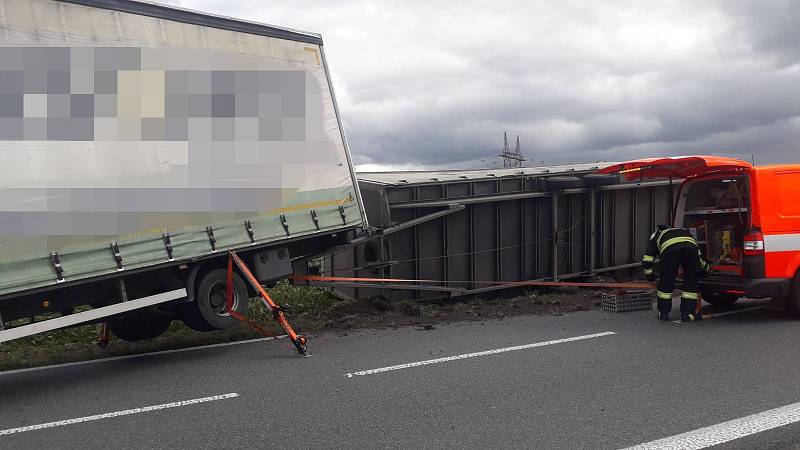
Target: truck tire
point(208, 312)
point(720, 299)
point(139, 326)
point(792, 303)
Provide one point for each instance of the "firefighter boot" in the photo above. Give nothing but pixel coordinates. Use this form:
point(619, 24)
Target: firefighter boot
point(688, 313)
point(664, 306)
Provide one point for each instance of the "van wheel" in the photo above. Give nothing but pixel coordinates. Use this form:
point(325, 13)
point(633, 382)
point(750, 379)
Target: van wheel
point(792, 303)
point(139, 326)
point(720, 299)
point(208, 310)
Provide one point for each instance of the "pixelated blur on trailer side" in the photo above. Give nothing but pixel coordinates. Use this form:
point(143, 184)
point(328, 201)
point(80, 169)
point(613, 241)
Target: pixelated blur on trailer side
point(141, 142)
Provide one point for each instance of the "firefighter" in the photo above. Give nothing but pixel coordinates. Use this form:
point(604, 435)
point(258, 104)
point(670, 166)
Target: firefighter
point(669, 249)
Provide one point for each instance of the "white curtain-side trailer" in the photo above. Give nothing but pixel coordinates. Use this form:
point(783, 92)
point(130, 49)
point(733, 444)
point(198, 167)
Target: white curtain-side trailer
point(141, 142)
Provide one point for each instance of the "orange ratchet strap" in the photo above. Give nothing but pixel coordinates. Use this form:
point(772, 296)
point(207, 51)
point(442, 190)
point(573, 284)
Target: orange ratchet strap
point(298, 340)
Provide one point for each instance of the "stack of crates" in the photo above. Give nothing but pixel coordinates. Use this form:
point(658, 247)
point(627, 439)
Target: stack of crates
point(624, 301)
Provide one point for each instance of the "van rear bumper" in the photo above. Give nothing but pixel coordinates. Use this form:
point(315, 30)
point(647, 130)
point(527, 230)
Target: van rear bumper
point(752, 287)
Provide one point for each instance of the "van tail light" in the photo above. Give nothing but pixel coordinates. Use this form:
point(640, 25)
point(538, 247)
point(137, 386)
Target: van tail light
point(754, 244)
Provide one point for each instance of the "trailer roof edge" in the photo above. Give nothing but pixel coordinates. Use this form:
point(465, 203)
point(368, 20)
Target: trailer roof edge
point(177, 14)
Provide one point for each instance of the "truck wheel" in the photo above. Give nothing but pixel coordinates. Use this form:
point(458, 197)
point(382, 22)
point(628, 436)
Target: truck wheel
point(139, 326)
point(720, 299)
point(793, 298)
point(208, 310)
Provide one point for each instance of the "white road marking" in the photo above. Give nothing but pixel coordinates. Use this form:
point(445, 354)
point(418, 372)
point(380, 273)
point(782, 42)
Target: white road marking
point(138, 355)
point(728, 431)
point(126, 412)
point(476, 354)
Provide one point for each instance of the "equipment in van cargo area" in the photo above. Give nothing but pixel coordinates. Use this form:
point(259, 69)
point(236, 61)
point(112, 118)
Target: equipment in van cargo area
point(138, 142)
point(745, 218)
point(715, 211)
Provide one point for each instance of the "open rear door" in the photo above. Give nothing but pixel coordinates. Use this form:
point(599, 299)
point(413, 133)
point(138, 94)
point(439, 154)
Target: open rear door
point(676, 167)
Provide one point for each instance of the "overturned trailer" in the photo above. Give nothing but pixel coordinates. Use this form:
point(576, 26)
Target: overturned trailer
point(469, 230)
point(139, 143)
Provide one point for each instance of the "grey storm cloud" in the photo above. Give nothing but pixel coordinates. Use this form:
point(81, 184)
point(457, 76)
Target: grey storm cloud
point(435, 83)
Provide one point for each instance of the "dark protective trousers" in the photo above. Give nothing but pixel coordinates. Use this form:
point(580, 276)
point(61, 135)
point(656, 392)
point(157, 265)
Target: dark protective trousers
point(668, 265)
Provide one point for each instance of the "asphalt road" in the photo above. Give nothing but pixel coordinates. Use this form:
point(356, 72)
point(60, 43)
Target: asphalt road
point(650, 380)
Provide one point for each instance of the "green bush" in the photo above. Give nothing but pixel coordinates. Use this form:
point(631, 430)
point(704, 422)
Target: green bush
point(301, 300)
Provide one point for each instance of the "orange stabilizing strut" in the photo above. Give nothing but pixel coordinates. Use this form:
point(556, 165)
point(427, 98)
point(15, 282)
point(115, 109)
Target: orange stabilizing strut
point(298, 340)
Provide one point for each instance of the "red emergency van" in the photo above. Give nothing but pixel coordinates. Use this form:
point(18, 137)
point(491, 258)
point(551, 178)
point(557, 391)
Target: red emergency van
point(745, 218)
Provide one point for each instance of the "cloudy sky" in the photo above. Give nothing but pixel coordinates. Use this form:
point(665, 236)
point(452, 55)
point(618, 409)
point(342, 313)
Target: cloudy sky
point(427, 83)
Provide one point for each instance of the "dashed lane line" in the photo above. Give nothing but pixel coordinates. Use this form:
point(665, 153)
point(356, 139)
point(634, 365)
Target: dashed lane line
point(126, 412)
point(477, 354)
point(727, 431)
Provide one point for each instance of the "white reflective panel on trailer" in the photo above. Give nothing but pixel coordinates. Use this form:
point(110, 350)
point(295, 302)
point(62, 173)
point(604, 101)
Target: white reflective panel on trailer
point(88, 316)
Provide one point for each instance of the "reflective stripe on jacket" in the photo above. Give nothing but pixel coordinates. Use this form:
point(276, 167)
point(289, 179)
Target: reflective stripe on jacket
point(666, 241)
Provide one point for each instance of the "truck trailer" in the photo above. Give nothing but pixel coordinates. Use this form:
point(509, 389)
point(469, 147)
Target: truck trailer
point(139, 143)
